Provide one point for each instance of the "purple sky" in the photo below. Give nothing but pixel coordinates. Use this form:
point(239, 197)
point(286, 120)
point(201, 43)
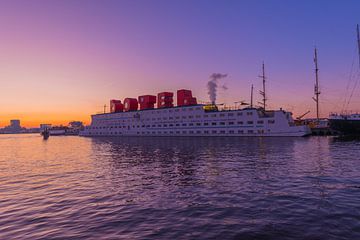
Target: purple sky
point(62, 60)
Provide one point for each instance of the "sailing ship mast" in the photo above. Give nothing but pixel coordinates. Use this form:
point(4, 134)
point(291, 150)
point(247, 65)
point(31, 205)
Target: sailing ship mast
point(358, 41)
point(356, 81)
point(263, 92)
point(252, 94)
point(316, 89)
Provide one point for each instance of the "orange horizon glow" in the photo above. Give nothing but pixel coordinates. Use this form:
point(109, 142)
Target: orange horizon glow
point(34, 121)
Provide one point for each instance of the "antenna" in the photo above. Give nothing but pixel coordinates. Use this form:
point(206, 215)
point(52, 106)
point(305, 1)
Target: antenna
point(358, 41)
point(316, 89)
point(251, 96)
point(263, 92)
point(105, 108)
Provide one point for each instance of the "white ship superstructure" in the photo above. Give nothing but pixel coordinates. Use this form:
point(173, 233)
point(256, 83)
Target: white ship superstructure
point(195, 120)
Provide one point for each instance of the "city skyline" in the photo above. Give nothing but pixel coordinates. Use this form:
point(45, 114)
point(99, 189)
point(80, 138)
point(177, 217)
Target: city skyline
point(62, 61)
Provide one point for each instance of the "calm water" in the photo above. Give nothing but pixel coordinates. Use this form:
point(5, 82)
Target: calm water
point(187, 188)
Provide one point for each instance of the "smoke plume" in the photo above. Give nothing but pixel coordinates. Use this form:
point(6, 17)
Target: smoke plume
point(212, 85)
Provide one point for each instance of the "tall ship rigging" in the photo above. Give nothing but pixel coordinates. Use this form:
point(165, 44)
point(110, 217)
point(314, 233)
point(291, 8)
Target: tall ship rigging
point(348, 124)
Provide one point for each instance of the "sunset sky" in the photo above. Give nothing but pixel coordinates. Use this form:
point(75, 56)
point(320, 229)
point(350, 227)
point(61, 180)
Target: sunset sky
point(63, 60)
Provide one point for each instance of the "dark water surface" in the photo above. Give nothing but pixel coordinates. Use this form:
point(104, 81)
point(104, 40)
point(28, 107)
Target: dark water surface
point(185, 188)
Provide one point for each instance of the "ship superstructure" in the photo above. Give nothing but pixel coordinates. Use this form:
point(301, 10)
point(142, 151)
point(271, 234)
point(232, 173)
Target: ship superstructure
point(189, 119)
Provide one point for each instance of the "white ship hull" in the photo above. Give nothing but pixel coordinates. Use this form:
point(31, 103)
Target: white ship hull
point(57, 132)
point(194, 121)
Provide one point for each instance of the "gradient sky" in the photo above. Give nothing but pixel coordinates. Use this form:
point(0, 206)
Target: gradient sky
point(62, 60)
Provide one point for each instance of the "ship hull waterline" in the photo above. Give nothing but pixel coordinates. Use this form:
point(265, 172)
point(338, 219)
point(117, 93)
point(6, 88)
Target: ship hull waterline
point(345, 126)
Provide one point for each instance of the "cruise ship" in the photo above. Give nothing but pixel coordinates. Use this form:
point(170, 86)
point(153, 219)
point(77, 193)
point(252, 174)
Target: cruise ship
point(189, 118)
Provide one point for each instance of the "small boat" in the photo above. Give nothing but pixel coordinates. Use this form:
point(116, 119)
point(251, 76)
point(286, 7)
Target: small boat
point(45, 133)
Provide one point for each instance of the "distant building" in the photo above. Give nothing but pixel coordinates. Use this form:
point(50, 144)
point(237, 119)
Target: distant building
point(14, 127)
point(15, 124)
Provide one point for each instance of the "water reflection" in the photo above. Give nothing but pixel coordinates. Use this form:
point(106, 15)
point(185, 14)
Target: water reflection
point(247, 167)
point(197, 157)
point(181, 188)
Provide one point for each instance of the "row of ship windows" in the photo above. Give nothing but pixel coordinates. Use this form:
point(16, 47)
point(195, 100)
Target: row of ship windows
point(205, 116)
point(185, 124)
point(199, 116)
point(191, 132)
point(177, 110)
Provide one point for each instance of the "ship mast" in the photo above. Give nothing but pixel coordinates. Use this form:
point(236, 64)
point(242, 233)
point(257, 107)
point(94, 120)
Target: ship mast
point(105, 108)
point(252, 93)
point(356, 81)
point(316, 89)
point(358, 41)
point(263, 92)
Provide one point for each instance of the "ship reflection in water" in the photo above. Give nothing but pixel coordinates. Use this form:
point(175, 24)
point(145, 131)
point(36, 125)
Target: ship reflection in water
point(179, 188)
